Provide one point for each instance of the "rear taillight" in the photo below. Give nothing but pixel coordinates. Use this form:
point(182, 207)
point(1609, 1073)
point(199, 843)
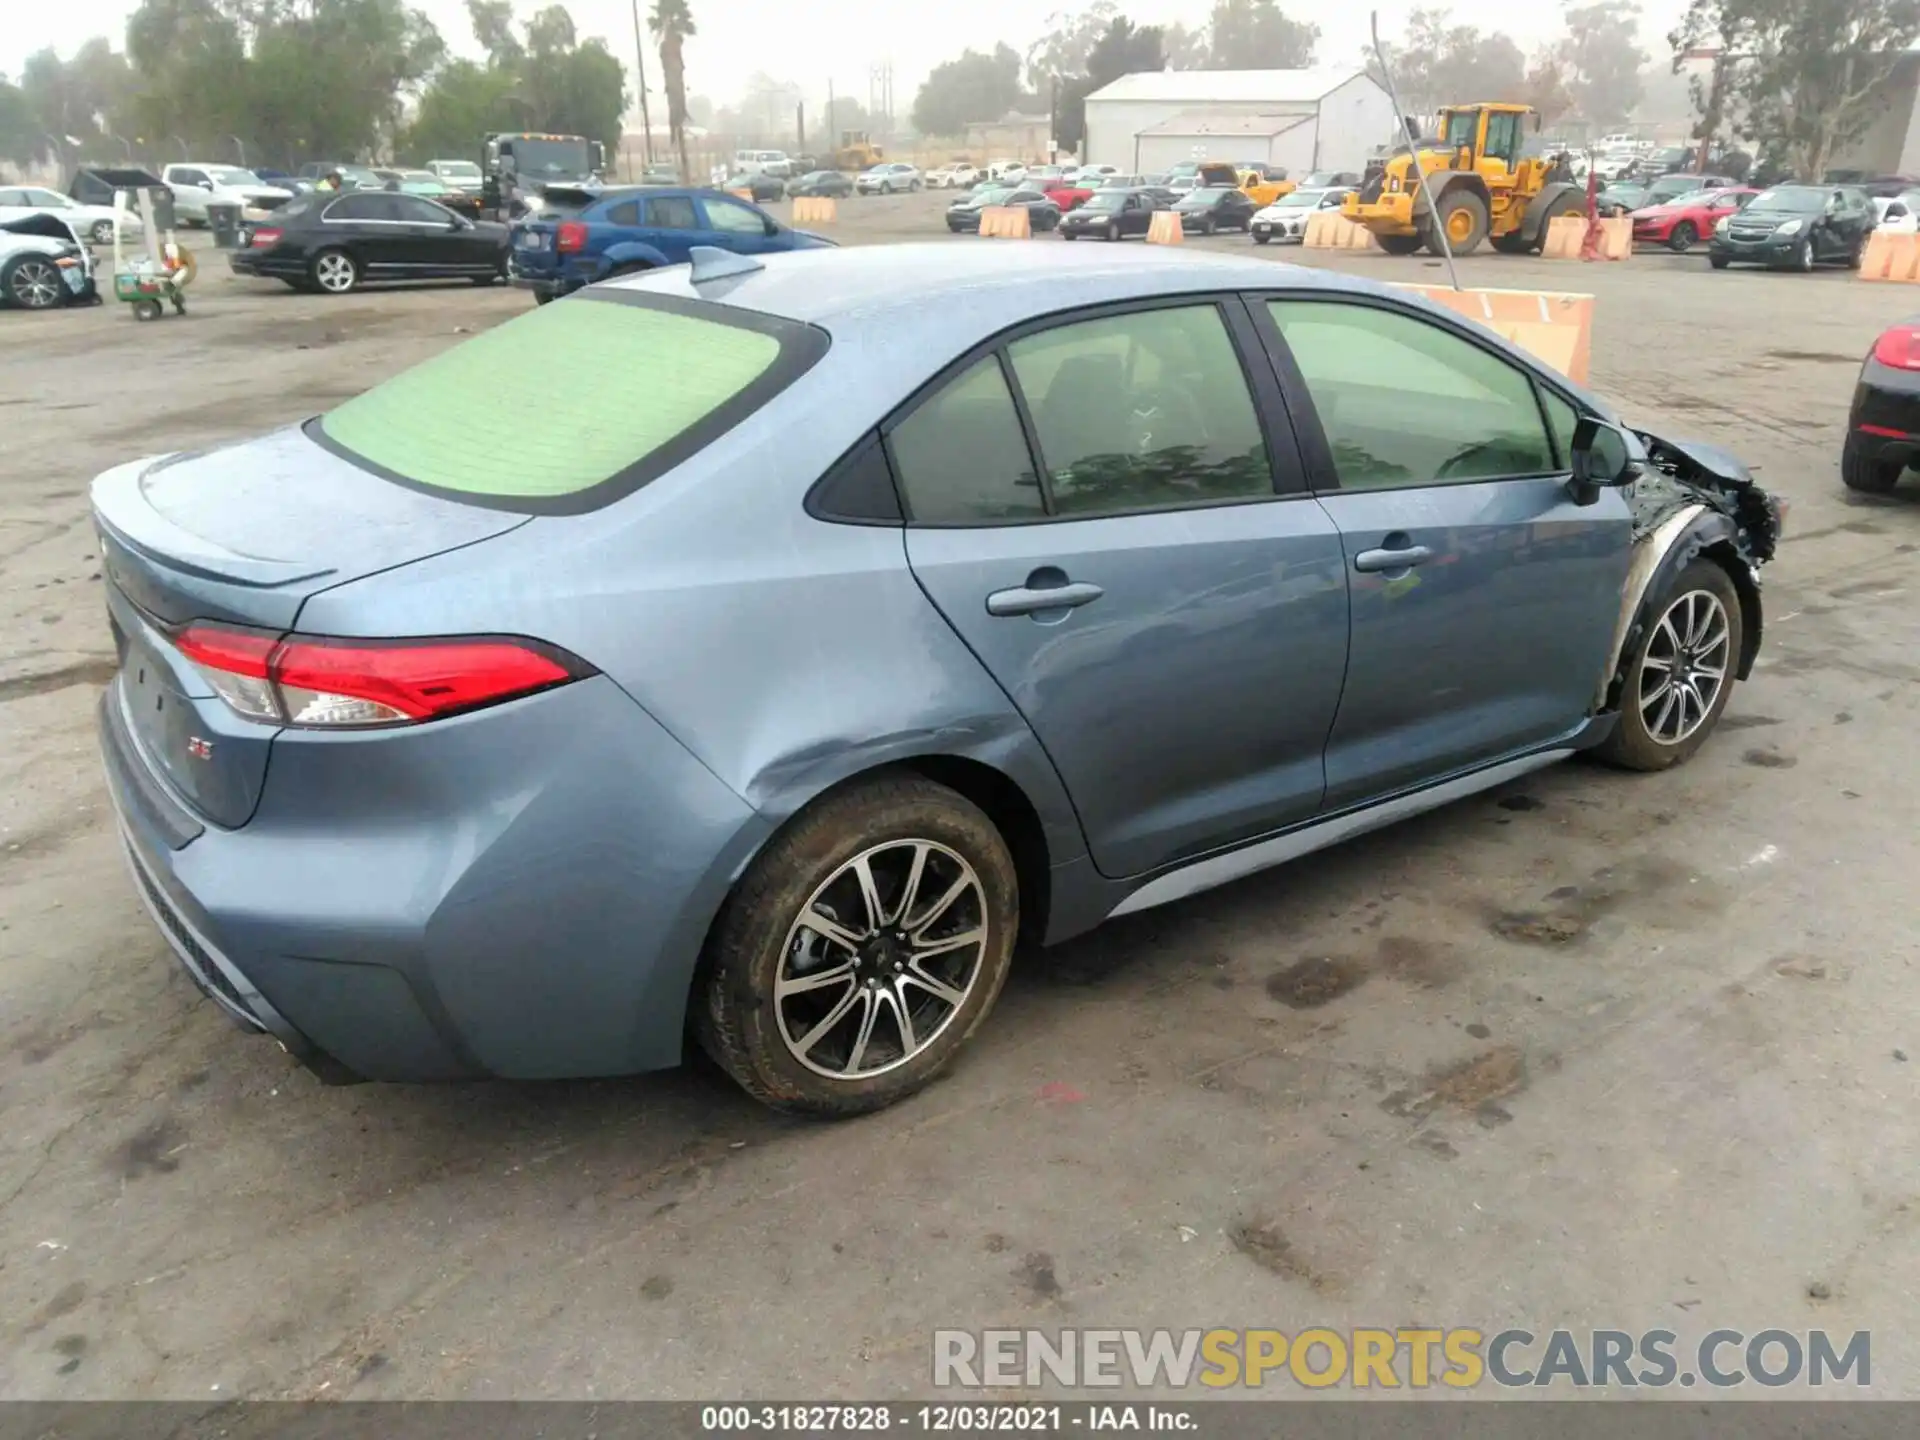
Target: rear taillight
point(571, 236)
point(1899, 347)
point(266, 237)
point(334, 683)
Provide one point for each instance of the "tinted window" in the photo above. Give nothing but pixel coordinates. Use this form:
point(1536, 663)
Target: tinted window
point(671, 212)
point(189, 177)
point(13, 197)
point(1404, 402)
point(1561, 418)
point(620, 381)
point(627, 212)
point(732, 219)
point(1142, 412)
point(358, 207)
point(415, 211)
point(962, 458)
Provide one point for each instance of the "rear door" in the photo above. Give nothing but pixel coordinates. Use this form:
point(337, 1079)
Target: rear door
point(1484, 599)
point(673, 226)
point(1108, 510)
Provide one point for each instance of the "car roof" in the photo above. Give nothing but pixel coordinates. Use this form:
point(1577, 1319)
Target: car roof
point(882, 288)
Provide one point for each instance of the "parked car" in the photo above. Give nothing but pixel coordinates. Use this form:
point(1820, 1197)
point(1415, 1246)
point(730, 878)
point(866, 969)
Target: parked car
point(1094, 177)
point(1010, 172)
point(460, 174)
point(1110, 214)
point(752, 162)
point(1625, 197)
point(89, 222)
point(957, 176)
point(1796, 227)
point(1883, 428)
point(1682, 222)
point(196, 185)
point(559, 768)
point(356, 177)
point(886, 178)
point(337, 243)
point(1888, 185)
point(762, 185)
point(1209, 208)
point(1286, 219)
point(828, 183)
point(1331, 180)
point(1042, 213)
point(1897, 214)
point(579, 236)
point(660, 175)
point(43, 263)
point(1069, 193)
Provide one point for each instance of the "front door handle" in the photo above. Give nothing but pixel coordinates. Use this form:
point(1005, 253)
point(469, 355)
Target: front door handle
point(1370, 562)
point(1046, 589)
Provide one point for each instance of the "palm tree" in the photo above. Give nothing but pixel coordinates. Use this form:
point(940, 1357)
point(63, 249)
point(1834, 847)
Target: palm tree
point(671, 23)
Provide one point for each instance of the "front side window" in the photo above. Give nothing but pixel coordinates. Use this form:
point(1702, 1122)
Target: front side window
point(415, 211)
point(1143, 411)
point(732, 219)
point(1405, 402)
point(962, 458)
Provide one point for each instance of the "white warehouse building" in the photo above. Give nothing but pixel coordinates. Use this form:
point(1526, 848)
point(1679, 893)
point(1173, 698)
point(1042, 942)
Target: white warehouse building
point(1299, 119)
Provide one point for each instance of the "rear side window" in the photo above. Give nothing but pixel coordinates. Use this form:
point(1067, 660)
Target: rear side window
point(615, 390)
point(672, 212)
point(627, 212)
point(962, 457)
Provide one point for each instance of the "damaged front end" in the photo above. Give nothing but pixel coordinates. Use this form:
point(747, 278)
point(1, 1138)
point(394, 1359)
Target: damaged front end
point(1690, 499)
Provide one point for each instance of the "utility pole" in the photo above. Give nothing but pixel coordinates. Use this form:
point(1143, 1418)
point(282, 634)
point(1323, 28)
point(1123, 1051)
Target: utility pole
point(640, 71)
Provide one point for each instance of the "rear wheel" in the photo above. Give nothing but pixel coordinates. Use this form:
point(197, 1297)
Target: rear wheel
point(862, 948)
point(335, 271)
point(1401, 244)
point(1463, 220)
point(33, 283)
point(1868, 474)
point(1679, 673)
point(1682, 238)
point(102, 232)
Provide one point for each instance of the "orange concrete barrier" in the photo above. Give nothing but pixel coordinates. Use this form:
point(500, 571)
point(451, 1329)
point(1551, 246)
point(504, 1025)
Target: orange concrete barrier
point(1330, 230)
point(1010, 222)
point(742, 193)
point(1890, 256)
point(1616, 238)
point(1565, 235)
point(1164, 229)
point(815, 210)
point(1556, 326)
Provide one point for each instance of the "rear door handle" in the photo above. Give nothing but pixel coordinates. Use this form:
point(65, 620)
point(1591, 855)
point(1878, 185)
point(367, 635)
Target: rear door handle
point(1372, 561)
point(1029, 598)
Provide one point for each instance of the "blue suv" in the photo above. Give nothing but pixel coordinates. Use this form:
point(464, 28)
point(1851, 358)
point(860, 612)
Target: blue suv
point(578, 236)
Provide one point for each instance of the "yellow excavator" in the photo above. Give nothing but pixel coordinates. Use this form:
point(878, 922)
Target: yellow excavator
point(1483, 187)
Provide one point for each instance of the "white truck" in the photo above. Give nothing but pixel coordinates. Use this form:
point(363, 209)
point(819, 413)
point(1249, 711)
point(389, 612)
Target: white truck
point(196, 185)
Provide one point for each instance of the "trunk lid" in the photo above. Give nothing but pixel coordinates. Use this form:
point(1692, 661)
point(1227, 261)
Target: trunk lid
point(244, 533)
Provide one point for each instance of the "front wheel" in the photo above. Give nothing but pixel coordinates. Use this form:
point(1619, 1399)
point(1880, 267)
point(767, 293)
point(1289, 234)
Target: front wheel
point(1803, 256)
point(335, 272)
point(1401, 244)
point(33, 283)
point(863, 947)
point(1682, 237)
point(1260, 239)
point(1718, 262)
point(1679, 672)
point(1113, 230)
point(102, 232)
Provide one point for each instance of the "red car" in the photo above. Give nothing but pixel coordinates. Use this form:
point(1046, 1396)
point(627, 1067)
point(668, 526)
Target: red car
point(1681, 223)
point(1069, 196)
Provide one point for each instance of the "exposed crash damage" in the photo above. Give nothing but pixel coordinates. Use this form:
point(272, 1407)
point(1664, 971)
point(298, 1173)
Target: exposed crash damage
point(1691, 499)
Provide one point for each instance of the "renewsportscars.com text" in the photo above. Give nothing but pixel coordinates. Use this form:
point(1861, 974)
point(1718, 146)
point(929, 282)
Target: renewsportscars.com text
point(1405, 1358)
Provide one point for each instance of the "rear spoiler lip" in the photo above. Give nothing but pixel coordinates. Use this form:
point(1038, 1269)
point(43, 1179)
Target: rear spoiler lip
point(121, 511)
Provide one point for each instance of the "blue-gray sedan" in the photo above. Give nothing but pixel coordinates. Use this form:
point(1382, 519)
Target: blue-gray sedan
point(761, 648)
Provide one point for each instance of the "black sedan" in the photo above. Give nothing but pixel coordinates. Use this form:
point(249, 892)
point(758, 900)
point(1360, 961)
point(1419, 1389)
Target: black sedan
point(1110, 215)
point(1883, 432)
point(760, 186)
point(1211, 208)
point(1796, 226)
point(828, 183)
point(336, 243)
point(964, 213)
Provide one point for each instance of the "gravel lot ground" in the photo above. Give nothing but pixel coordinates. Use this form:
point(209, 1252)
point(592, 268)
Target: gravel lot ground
point(1613, 1051)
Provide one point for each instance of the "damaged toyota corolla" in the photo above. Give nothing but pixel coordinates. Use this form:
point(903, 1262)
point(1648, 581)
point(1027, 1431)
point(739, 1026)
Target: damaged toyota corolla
point(846, 639)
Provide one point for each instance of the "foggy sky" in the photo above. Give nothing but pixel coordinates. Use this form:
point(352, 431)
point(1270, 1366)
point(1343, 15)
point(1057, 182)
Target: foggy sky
point(812, 41)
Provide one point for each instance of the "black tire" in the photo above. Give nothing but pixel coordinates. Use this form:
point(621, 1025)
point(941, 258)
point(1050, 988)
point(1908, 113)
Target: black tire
point(1207, 226)
point(736, 1017)
point(1683, 237)
point(1460, 202)
point(1857, 253)
point(1868, 474)
point(1401, 244)
point(33, 282)
point(1803, 255)
point(1632, 745)
point(1066, 234)
point(334, 272)
point(541, 297)
point(1113, 230)
point(1514, 242)
point(1718, 262)
point(1261, 239)
point(147, 310)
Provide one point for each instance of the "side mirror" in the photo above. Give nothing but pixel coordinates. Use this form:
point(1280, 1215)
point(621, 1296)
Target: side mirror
point(1603, 456)
point(773, 227)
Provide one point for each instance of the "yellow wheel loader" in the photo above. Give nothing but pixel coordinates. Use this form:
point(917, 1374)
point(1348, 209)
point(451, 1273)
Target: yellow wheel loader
point(1483, 188)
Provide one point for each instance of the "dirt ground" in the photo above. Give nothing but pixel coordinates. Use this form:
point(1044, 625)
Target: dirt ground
point(1592, 1051)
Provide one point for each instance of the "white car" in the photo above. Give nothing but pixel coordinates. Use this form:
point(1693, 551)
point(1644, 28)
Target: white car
point(1010, 171)
point(1286, 219)
point(1094, 175)
point(195, 186)
point(1898, 214)
point(887, 178)
point(460, 174)
point(951, 177)
point(89, 222)
point(43, 263)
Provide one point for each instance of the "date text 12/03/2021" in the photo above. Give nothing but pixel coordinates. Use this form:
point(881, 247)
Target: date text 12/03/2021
point(938, 1419)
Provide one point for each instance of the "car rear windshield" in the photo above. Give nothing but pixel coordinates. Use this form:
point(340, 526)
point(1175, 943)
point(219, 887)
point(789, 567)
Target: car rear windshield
point(572, 405)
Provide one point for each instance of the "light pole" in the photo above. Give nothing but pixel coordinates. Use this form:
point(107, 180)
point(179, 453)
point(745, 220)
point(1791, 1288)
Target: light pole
point(640, 72)
point(240, 146)
point(125, 147)
point(185, 153)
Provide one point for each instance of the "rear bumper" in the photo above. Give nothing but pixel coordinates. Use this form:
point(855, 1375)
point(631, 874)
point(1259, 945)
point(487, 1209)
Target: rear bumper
point(522, 892)
point(555, 282)
point(266, 265)
point(1884, 424)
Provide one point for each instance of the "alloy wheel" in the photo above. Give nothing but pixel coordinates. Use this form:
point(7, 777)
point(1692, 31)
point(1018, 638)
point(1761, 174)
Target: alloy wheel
point(334, 272)
point(1685, 667)
point(881, 959)
point(35, 284)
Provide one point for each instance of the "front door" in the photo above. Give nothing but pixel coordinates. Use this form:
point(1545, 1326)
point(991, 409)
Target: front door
point(1484, 599)
point(1173, 630)
point(734, 226)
